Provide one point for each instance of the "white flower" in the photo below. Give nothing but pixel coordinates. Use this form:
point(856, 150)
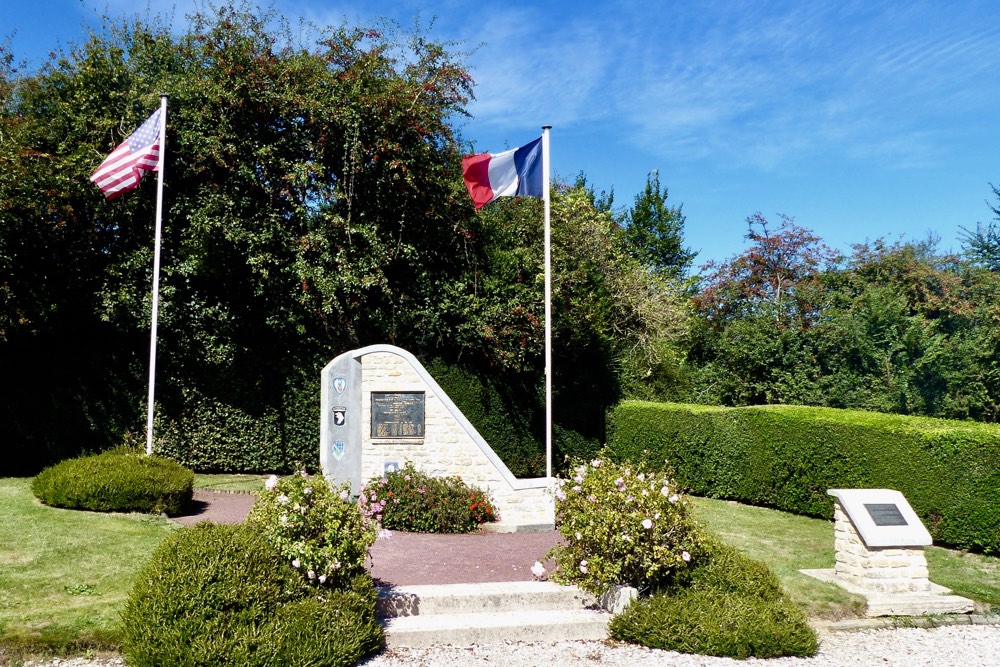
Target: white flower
point(284, 519)
point(583, 566)
point(307, 490)
point(271, 482)
point(345, 495)
point(579, 536)
point(283, 499)
point(596, 463)
point(311, 574)
point(296, 562)
point(647, 523)
point(538, 569)
point(578, 479)
point(665, 491)
point(685, 556)
point(322, 578)
point(673, 498)
point(641, 477)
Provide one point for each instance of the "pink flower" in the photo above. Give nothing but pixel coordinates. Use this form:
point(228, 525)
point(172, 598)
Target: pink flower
point(596, 463)
point(345, 495)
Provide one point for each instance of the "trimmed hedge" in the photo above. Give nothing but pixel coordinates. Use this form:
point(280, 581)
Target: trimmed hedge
point(221, 594)
point(119, 480)
point(786, 457)
point(727, 605)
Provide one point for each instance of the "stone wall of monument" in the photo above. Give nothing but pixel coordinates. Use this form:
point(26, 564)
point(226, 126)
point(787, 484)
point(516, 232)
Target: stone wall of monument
point(449, 446)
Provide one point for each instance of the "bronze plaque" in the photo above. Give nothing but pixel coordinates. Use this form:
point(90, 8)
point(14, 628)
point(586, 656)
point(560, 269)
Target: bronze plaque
point(397, 414)
point(885, 514)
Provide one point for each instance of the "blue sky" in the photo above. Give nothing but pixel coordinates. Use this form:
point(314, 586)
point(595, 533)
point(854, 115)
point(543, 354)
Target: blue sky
point(859, 119)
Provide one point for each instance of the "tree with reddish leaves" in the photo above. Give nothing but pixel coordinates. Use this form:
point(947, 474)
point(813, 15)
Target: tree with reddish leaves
point(777, 275)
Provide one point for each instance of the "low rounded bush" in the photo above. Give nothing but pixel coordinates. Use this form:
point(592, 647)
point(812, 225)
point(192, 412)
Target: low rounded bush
point(219, 594)
point(623, 524)
point(726, 569)
point(710, 622)
point(119, 480)
point(413, 501)
point(727, 604)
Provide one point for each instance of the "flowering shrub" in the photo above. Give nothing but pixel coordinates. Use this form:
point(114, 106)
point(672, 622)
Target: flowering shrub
point(318, 530)
point(414, 501)
point(623, 525)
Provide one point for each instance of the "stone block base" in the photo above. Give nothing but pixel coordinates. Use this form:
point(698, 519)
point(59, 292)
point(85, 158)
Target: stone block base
point(936, 600)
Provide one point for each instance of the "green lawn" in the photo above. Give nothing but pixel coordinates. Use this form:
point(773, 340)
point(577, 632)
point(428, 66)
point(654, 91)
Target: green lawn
point(65, 574)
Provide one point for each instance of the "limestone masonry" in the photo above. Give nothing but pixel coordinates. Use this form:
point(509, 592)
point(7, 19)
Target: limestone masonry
point(450, 445)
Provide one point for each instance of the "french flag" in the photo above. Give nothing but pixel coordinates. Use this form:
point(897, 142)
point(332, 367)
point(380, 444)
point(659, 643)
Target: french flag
point(513, 173)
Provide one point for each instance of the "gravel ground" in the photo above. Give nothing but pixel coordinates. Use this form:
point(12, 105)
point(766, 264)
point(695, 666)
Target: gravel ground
point(954, 645)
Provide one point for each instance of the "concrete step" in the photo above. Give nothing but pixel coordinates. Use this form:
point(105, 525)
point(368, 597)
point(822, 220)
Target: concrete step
point(496, 627)
point(483, 597)
point(462, 614)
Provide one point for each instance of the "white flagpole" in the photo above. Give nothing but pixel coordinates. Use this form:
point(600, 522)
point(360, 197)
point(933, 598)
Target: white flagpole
point(156, 273)
point(548, 302)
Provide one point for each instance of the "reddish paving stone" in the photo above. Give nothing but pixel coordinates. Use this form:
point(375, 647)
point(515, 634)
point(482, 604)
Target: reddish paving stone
point(406, 559)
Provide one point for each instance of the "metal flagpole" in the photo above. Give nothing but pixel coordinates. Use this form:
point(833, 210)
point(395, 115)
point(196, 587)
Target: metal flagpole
point(548, 302)
point(156, 273)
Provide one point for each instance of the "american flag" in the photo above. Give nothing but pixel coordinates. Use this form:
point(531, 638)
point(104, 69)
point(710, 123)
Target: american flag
point(122, 170)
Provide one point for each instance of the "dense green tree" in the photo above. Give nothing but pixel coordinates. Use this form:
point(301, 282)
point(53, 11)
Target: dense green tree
point(312, 205)
point(892, 328)
point(982, 246)
point(654, 231)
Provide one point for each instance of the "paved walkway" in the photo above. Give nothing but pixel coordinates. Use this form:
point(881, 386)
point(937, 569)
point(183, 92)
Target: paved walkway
point(406, 559)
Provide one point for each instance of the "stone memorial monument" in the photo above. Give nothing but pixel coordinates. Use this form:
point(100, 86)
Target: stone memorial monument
point(879, 553)
point(381, 409)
